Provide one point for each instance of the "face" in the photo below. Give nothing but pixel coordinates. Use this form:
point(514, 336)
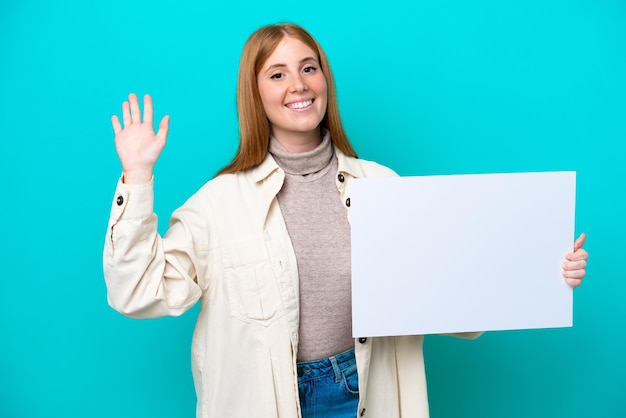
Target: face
point(293, 91)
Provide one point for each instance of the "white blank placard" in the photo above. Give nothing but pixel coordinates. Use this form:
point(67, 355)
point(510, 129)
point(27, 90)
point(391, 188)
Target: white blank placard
point(441, 254)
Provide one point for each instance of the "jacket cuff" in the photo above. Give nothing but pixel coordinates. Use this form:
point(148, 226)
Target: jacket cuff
point(133, 201)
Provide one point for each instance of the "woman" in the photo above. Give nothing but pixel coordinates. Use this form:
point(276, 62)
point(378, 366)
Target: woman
point(265, 248)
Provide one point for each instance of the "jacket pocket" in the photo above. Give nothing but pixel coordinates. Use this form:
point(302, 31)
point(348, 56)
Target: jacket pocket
point(250, 282)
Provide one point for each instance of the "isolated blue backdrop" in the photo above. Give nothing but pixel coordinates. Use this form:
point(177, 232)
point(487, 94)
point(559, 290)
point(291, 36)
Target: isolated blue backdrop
point(424, 87)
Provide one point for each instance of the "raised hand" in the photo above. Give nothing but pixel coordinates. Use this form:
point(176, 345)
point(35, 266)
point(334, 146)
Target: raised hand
point(137, 145)
point(576, 262)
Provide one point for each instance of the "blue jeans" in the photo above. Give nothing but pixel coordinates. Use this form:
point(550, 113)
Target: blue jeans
point(329, 388)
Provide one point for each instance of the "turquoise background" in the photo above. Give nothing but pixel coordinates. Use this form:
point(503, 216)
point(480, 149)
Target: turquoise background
point(424, 87)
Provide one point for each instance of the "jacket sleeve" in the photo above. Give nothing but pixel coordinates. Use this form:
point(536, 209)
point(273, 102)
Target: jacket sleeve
point(148, 276)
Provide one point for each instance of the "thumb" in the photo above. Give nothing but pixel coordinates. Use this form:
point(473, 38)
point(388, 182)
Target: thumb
point(580, 241)
point(164, 127)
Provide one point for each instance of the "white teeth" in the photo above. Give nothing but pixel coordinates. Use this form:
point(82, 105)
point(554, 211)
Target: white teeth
point(300, 105)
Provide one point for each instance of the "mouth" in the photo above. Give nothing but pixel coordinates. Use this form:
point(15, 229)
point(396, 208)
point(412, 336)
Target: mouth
point(300, 105)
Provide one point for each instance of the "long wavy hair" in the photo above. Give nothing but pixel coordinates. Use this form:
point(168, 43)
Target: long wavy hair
point(254, 127)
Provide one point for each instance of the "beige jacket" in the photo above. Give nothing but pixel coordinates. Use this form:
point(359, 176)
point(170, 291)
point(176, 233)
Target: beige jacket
point(228, 247)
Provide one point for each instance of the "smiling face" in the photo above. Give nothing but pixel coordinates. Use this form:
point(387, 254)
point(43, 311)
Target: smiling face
point(293, 91)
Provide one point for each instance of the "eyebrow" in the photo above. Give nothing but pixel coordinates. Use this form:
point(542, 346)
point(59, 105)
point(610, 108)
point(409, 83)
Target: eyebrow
point(281, 65)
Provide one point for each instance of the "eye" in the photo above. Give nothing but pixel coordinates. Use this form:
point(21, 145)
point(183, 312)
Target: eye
point(276, 76)
point(310, 69)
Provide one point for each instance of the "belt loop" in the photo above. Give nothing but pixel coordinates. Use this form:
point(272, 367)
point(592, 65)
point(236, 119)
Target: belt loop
point(333, 361)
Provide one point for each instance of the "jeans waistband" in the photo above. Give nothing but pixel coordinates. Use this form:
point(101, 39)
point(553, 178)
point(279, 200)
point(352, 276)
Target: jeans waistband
point(323, 367)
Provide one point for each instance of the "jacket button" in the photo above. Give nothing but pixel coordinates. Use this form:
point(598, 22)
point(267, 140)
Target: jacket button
point(362, 412)
point(362, 340)
point(348, 202)
point(340, 177)
point(120, 201)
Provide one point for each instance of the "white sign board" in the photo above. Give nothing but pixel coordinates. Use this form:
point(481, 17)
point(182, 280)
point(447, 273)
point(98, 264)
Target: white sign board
point(459, 253)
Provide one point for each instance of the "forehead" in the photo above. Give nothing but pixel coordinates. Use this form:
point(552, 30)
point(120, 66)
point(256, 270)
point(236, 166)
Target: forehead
point(290, 49)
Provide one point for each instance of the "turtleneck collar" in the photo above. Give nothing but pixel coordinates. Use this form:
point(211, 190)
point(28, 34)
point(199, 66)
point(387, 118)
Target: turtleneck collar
point(303, 163)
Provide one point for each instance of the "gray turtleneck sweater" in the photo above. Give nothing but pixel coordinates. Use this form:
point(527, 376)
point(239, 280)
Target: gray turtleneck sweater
point(318, 226)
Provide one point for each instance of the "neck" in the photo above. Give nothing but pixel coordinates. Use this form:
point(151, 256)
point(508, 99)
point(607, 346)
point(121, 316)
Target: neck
point(296, 142)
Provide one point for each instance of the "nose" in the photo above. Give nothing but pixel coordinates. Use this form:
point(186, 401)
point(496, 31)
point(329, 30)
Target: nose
point(298, 84)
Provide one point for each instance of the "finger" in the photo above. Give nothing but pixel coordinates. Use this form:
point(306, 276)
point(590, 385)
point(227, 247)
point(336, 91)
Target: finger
point(573, 283)
point(164, 127)
point(126, 114)
point(574, 278)
point(575, 265)
point(135, 113)
point(147, 109)
point(117, 127)
point(574, 274)
point(580, 254)
point(580, 241)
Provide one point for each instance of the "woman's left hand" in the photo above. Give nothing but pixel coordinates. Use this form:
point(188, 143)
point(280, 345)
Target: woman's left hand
point(576, 262)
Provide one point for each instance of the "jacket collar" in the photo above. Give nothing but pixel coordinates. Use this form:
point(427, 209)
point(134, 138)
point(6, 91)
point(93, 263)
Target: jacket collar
point(349, 165)
point(263, 170)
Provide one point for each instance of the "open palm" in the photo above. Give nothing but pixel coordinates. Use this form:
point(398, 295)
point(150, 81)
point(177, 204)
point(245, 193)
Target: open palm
point(137, 145)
